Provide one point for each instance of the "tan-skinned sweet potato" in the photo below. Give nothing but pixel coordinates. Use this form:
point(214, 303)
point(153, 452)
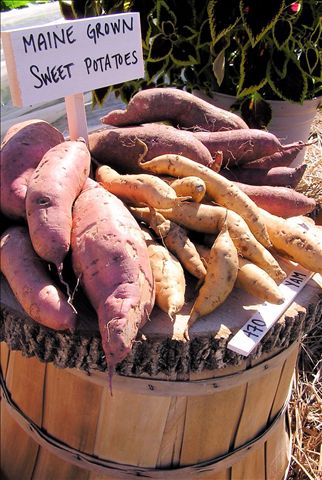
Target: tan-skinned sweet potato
point(168, 274)
point(137, 189)
point(220, 190)
point(250, 278)
point(295, 241)
point(22, 148)
point(208, 219)
point(222, 270)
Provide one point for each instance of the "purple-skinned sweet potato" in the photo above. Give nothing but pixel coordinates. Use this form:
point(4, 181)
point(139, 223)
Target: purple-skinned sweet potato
point(52, 190)
point(249, 145)
point(276, 176)
point(122, 147)
point(180, 108)
point(31, 283)
point(22, 148)
point(110, 257)
point(280, 201)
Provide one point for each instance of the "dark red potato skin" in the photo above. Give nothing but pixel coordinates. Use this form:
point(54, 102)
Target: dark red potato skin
point(182, 109)
point(110, 257)
point(31, 283)
point(282, 158)
point(248, 145)
point(120, 147)
point(276, 176)
point(22, 148)
point(52, 190)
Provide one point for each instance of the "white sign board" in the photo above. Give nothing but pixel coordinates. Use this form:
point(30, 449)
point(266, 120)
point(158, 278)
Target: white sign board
point(66, 58)
point(249, 336)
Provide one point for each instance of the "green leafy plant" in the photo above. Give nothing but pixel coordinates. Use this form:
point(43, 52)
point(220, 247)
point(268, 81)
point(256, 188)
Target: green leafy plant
point(252, 50)
point(6, 5)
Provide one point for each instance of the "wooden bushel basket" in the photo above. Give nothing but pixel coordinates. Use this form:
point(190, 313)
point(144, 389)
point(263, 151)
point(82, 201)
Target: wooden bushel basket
point(178, 410)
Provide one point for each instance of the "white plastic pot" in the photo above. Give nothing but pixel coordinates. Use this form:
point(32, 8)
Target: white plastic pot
point(291, 122)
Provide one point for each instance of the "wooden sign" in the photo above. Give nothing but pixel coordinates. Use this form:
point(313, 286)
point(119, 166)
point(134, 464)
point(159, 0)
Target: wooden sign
point(65, 59)
point(57, 60)
point(249, 336)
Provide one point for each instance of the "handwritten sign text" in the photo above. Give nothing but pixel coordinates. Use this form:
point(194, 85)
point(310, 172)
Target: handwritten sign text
point(61, 59)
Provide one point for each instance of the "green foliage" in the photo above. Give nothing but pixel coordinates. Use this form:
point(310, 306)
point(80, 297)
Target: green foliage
point(251, 49)
point(6, 5)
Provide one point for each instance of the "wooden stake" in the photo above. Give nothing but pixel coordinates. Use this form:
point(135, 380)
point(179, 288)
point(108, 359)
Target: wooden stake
point(76, 116)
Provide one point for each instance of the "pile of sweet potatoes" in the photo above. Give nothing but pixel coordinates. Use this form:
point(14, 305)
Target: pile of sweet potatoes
point(141, 211)
point(255, 159)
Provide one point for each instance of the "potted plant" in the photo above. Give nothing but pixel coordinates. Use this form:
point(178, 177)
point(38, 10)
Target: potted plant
point(252, 51)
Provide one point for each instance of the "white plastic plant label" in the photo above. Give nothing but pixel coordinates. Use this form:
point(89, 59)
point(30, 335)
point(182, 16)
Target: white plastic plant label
point(249, 336)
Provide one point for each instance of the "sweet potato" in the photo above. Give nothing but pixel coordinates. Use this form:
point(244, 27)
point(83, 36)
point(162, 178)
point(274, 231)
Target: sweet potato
point(191, 186)
point(179, 107)
point(168, 274)
point(208, 219)
point(281, 201)
point(30, 281)
point(179, 243)
point(23, 147)
point(110, 257)
point(222, 191)
point(282, 158)
point(250, 278)
point(52, 190)
point(222, 270)
point(121, 147)
point(160, 225)
point(274, 177)
point(294, 241)
point(244, 146)
point(140, 188)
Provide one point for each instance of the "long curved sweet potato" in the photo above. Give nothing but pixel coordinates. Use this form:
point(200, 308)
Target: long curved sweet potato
point(295, 241)
point(169, 278)
point(110, 257)
point(208, 219)
point(52, 190)
point(179, 107)
point(29, 278)
point(122, 147)
point(23, 147)
point(222, 191)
